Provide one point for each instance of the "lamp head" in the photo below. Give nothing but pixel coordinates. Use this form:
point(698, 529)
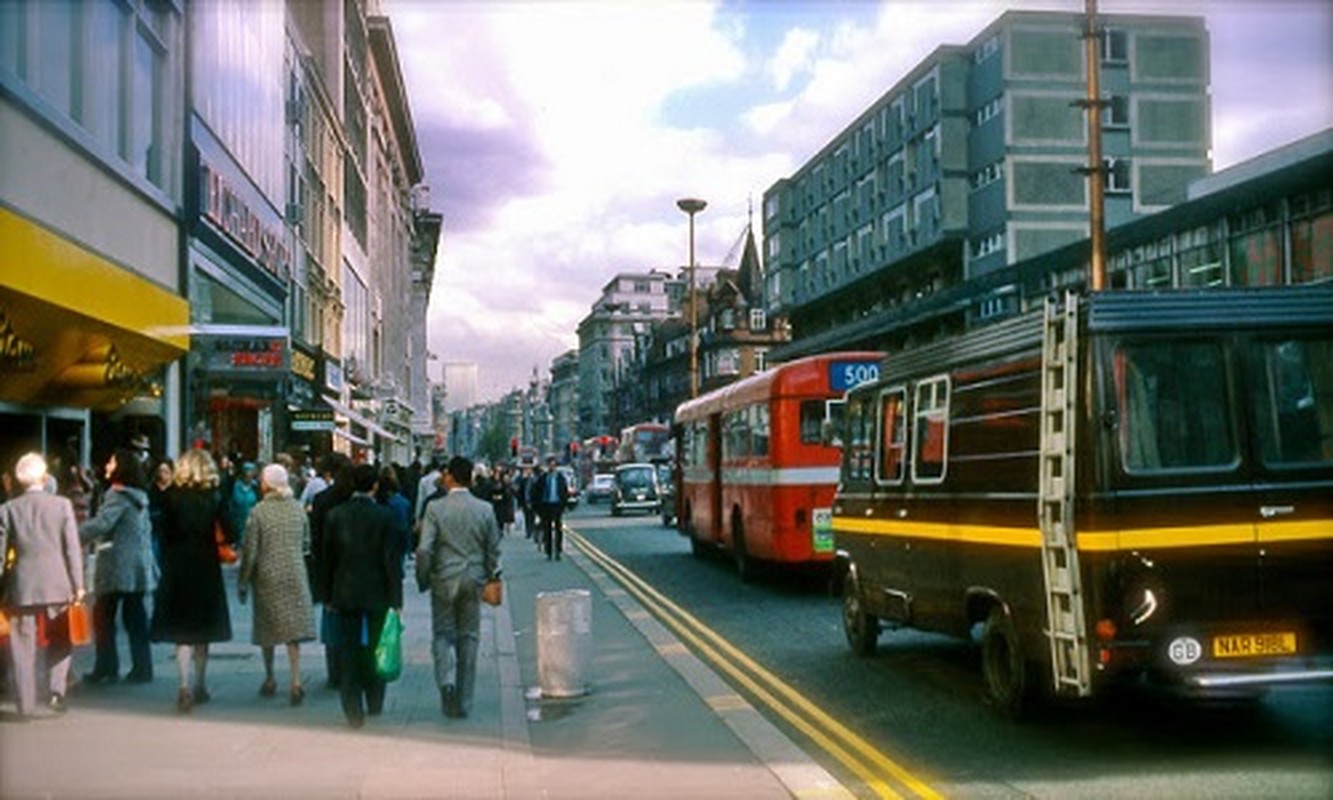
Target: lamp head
point(691, 205)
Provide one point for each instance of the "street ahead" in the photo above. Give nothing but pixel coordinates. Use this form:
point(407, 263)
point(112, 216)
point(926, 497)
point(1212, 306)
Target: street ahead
point(915, 708)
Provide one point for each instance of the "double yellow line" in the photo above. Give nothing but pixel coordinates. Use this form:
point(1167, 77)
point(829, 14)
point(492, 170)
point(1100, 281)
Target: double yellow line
point(881, 774)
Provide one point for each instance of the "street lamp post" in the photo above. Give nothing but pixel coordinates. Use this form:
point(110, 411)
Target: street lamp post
point(693, 206)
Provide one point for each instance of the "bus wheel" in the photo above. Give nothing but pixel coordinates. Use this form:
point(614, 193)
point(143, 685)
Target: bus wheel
point(1003, 668)
point(744, 564)
point(861, 628)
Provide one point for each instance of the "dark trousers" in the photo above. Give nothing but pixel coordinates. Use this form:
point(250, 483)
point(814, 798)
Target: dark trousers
point(135, 619)
point(329, 633)
point(358, 632)
point(553, 532)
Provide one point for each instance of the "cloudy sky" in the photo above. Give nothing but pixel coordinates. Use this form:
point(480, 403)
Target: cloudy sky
point(557, 135)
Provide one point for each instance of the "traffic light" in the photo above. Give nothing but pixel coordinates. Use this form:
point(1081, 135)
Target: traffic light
point(513, 447)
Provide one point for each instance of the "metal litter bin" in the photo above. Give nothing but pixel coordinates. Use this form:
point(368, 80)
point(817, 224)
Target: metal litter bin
point(564, 642)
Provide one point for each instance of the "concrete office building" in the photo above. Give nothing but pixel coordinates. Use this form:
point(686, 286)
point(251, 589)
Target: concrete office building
point(971, 162)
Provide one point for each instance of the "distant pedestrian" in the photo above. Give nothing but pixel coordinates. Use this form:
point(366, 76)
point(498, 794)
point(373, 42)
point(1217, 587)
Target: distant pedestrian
point(46, 576)
point(389, 495)
point(190, 609)
point(522, 492)
point(277, 538)
point(364, 578)
point(124, 570)
point(244, 495)
point(502, 498)
point(550, 493)
point(459, 552)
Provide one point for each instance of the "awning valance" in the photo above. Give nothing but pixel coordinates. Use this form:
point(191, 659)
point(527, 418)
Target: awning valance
point(75, 329)
point(356, 417)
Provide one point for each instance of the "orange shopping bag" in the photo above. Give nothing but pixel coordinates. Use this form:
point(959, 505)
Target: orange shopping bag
point(80, 624)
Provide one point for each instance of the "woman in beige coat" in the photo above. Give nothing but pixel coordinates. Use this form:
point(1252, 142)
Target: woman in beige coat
point(277, 539)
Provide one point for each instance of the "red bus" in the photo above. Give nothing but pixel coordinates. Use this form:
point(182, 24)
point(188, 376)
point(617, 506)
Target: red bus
point(643, 443)
point(756, 474)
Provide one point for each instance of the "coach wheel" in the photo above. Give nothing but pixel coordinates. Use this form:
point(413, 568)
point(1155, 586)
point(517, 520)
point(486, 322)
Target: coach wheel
point(860, 627)
point(1003, 667)
point(744, 564)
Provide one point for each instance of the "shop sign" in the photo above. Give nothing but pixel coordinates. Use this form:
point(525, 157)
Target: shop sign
point(16, 353)
point(224, 206)
point(303, 366)
point(312, 419)
point(333, 376)
point(245, 353)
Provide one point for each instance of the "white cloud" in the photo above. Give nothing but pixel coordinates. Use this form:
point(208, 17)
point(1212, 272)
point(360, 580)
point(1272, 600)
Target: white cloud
point(794, 56)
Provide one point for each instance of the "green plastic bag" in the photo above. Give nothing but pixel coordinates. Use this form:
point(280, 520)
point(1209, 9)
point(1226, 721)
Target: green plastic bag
point(389, 649)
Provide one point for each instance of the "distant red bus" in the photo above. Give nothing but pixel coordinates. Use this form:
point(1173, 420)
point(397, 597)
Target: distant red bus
point(756, 477)
point(643, 443)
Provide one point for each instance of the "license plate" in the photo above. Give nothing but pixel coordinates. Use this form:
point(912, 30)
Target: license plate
point(1254, 645)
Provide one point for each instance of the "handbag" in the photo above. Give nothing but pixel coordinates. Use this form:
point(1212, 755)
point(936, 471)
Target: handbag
point(226, 553)
point(389, 648)
point(493, 593)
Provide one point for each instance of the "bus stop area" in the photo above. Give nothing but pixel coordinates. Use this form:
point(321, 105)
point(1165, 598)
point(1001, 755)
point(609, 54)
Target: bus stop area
point(655, 722)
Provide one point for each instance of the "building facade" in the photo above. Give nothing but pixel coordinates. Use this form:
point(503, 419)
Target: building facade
point(93, 312)
point(611, 336)
point(973, 162)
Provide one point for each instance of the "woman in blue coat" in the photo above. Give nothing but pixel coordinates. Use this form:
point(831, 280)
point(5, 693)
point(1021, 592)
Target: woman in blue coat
point(124, 572)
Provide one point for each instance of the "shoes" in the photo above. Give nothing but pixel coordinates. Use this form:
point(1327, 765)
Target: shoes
point(448, 700)
point(136, 676)
point(201, 695)
point(184, 701)
point(557, 556)
point(96, 677)
point(298, 695)
point(57, 703)
point(268, 688)
point(357, 721)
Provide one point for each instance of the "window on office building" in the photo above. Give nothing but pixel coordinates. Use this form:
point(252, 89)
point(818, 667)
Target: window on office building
point(1312, 237)
point(100, 71)
point(1116, 176)
point(1115, 46)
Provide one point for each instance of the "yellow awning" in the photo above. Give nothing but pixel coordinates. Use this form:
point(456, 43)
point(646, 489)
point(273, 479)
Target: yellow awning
point(75, 329)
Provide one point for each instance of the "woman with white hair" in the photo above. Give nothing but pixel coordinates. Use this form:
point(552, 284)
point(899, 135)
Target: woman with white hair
point(273, 556)
point(46, 577)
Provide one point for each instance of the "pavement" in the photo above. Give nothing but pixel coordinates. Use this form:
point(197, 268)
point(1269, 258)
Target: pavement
point(656, 722)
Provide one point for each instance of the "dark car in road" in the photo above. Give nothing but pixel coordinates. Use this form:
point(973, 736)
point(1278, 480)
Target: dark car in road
point(635, 490)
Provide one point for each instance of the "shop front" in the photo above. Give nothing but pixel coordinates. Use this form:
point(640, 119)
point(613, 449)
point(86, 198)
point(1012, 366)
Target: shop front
point(84, 343)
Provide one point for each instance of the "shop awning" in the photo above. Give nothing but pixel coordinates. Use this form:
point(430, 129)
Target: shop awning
point(75, 329)
point(364, 422)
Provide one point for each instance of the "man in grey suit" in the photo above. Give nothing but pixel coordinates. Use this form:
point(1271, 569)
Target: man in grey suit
point(458, 553)
point(46, 577)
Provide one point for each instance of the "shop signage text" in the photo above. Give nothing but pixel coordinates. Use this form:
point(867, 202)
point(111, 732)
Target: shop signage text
point(232, 215)
point(16, 353)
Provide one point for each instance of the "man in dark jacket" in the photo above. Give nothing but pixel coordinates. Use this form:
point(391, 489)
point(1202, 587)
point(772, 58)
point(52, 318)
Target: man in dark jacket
point(338, 468)
point(363, 577)
point(550, 493)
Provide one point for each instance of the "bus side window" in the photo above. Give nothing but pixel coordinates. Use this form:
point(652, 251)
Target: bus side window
point(835, 413)
point(1293, 404)
point(931, 430)
point(893, 435)
point(812, 421)
point(1173, 408)
point(859, 427)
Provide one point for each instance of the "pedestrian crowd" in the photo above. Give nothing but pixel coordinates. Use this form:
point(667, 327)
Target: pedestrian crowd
point(319, 555)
